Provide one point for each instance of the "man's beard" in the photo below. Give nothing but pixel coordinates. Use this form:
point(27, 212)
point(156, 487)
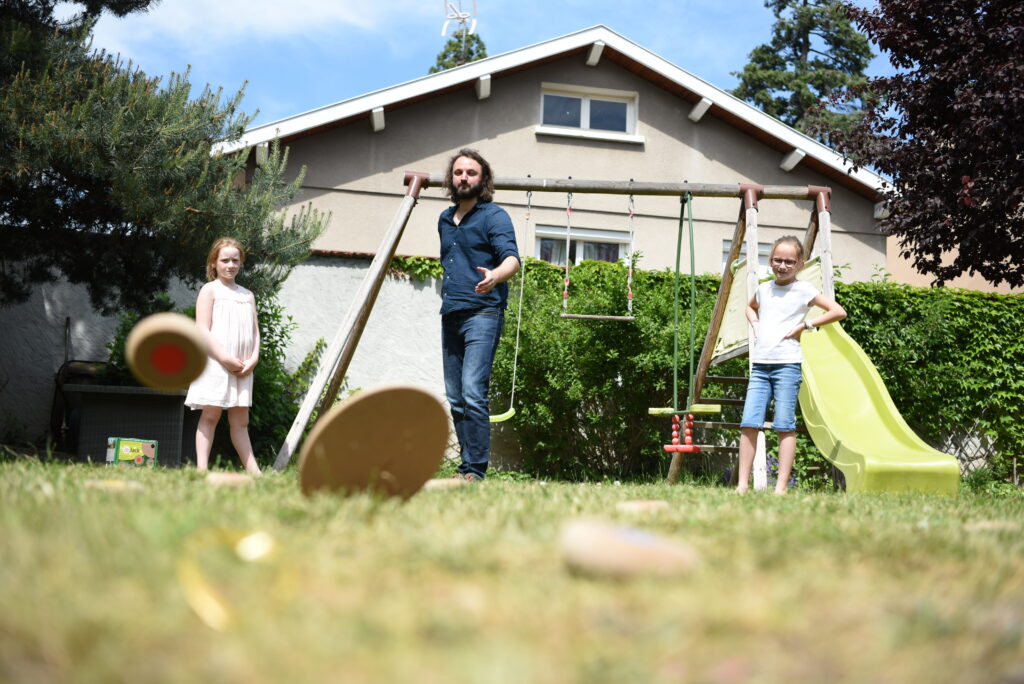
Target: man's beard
point(460, 192)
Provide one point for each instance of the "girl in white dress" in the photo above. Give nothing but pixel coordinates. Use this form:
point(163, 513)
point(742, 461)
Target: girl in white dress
point(226, 314)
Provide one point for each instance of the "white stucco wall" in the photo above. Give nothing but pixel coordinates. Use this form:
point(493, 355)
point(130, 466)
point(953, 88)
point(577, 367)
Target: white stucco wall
point(356, 174)
point(400, 344)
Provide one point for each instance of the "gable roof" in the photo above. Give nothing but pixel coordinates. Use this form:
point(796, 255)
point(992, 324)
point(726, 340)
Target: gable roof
point(614, 47)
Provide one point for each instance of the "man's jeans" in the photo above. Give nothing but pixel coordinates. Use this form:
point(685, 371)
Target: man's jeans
point(468, 342)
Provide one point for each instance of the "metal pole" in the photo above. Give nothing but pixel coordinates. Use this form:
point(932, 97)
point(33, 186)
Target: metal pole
point(795, 192)
point(339, 354)
point(693, 302)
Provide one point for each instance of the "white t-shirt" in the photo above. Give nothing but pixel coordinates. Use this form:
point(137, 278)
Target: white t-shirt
point(780, 309)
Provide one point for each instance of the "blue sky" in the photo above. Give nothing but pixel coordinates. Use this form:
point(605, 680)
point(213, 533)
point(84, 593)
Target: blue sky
point(297, 55)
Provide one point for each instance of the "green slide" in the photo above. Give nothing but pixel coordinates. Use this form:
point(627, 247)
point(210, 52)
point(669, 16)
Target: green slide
point(853, 422)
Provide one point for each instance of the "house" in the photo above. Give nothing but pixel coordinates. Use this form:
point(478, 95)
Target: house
point(588, 105)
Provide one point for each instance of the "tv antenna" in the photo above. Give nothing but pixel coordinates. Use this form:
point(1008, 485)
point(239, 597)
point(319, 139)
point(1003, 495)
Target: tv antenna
point(466, 19)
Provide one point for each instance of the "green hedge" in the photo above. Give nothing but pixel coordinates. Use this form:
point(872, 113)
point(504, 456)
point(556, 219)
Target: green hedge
point(953, 361)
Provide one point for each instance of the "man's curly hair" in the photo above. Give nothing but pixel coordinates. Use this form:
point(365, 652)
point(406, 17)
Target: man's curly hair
point(486, 176)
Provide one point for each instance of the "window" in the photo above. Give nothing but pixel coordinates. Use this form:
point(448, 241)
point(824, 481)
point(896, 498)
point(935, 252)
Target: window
point(586, 243)
point(588, 113)
point(763, 250)
point(585, 112)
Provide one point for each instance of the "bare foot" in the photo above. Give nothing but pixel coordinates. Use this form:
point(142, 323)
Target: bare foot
point(741, 490)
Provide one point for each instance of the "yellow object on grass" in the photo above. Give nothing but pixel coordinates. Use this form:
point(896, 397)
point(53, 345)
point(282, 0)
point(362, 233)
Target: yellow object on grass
point(856, 426)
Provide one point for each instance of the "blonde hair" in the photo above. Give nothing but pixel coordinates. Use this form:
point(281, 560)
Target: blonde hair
point(211, 258)
point(791, 239)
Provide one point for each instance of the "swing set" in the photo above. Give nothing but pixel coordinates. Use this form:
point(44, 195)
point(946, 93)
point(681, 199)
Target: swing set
point(325, 386)
point(568, 260)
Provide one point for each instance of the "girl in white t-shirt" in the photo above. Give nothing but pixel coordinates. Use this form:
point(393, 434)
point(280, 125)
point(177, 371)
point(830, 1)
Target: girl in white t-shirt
point(776, 312)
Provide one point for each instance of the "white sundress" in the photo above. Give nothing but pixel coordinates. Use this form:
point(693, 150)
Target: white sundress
point(234, 322)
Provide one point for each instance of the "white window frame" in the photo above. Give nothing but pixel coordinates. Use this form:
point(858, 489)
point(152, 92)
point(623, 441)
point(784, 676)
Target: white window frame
point(584, 94)
point(764, 250)
point(582, 235)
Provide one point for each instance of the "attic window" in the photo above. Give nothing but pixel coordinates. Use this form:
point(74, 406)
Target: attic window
point(577, 111)
point(585, 112)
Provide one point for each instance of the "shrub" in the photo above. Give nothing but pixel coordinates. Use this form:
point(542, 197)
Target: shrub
point(584, 387)
point(953, 361)
point(277, 393)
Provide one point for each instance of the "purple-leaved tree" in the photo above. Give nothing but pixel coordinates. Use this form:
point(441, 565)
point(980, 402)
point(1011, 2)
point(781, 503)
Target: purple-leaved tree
point(948, 130)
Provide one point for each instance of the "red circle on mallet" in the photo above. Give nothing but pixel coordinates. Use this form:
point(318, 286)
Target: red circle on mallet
point(168, 358)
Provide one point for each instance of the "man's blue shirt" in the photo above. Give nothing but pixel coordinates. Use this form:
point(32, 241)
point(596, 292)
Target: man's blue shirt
point(485, 237)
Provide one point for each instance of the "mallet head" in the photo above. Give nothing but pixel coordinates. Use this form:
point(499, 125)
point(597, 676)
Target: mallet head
point(389, 440)
point(166, 351)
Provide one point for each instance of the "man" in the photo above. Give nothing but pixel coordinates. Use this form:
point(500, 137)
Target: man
point(478, 252)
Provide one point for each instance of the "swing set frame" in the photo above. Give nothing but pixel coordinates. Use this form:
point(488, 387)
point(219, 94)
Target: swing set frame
point(327, 382)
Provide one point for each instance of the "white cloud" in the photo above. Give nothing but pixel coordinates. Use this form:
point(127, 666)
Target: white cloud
point(208, 26)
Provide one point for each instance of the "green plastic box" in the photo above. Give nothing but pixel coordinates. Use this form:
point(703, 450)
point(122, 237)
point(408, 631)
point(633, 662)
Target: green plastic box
point(131, 451)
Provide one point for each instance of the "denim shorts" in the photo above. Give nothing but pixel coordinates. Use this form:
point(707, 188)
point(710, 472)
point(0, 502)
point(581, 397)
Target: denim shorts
point(780, 381)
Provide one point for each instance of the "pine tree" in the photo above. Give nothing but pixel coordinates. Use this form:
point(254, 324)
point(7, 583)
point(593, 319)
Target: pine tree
point(815, 51)
point(111, 178)
point(462, 48)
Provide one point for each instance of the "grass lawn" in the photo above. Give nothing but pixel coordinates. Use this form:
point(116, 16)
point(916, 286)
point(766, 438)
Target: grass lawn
point(468, 585)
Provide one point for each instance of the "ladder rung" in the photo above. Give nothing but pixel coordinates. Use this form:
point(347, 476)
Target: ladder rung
point(716, 425)
point(725, 401)
point(696, 408)
point(590, 317)
point(735, 380)
point(720, 449)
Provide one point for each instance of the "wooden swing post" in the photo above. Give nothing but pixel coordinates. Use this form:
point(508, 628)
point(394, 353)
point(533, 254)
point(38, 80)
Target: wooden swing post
point(338, 356)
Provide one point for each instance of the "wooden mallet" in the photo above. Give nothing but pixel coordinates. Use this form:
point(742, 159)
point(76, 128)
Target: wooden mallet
point(166, 351)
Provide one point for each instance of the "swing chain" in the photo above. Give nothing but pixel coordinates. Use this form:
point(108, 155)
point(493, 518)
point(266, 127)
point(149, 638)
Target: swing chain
point(568, 247)
point(629, 258)
point(519, 313)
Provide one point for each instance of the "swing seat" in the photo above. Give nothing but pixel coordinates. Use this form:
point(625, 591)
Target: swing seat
point(696, 408)
point(502, 417)
point(595, 317)
point(682, 448)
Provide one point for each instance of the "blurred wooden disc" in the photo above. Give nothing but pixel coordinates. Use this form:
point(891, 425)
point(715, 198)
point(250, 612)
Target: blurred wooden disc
point(642, 506)
point(228, 479)
point(115, 485)
point(445, 483)
point(388, 439)
point(597, 548)
point(166, 351)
